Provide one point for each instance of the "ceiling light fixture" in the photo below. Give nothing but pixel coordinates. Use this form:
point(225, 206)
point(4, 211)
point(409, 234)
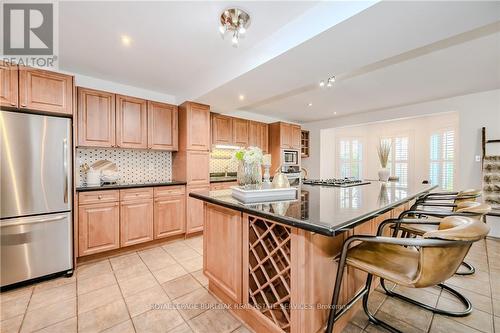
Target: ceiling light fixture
point(335, 113)
point(126, 40)
point(241, 97)
point(329, 82)
point(235, 22)
point(310, 104)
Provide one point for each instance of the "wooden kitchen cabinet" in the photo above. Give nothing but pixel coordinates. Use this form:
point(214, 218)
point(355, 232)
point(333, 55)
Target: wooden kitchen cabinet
point(162, 126)
point(136, 221)
point(195, 212)
point(258, 135)
point(296, 134)
point(222, 130)
point(98, 227)
point(96, 118)
point(222, 185)
point(222, 261)
point(45, 91)
point(194, 126)
point(240, 132)
point(9, 76)
point(286, 135)
point(131, 122)
point(169, 215)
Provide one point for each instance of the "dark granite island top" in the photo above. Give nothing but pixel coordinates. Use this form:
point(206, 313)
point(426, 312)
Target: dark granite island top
point(324, 209)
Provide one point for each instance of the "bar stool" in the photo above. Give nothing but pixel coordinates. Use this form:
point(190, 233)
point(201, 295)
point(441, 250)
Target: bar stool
point(471, 209)
point(446, 200)
point(411, 262)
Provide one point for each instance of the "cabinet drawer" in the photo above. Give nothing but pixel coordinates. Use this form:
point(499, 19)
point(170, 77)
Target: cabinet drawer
point(92, 197)
point(222, 186)
point(136, 193)
point(168, 190)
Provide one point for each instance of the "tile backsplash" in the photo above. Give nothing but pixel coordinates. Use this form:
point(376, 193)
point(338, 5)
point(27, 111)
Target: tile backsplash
point(134, 166)
point(220, 159)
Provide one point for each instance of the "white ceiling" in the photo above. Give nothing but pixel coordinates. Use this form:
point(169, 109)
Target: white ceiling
point(384, 54)
point(391, 54)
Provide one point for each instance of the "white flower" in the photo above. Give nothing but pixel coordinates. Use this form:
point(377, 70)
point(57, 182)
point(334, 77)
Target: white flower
point(249, 155)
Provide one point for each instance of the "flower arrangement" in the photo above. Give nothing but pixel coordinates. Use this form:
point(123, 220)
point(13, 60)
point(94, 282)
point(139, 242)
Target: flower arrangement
point(249, 155)
point(383, 150)
point(250, 166)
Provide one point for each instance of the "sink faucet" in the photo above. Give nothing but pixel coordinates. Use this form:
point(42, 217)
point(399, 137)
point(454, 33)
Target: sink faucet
point(305, 172)
point(225, 170)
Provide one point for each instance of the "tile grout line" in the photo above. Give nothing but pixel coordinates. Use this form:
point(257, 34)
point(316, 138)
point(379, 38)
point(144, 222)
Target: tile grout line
point(491, 287)
point(123, 296)
point(26, 310)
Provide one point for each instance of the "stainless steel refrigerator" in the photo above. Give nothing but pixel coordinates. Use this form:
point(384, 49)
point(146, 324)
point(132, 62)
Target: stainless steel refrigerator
point(35, 203)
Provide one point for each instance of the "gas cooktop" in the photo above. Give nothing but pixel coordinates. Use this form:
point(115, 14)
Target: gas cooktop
point(338, 182)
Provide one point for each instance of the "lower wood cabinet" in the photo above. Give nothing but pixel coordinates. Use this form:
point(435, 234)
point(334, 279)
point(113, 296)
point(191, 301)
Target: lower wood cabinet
point(98, 227)
point(222, 261)
point(169, 216)
point(136, 221)
point(195, 213)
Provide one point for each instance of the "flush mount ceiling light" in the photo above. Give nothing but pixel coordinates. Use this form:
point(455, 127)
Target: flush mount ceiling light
point(234, 21)
point(329, 82)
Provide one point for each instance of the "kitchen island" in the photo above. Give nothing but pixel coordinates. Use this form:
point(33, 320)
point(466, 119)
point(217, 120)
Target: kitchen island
point(273, 263)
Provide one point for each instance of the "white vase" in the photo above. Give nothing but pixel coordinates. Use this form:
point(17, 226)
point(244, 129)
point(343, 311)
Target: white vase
point(383, 174)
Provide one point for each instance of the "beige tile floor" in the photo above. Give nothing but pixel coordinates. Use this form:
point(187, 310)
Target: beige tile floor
point(116, 294)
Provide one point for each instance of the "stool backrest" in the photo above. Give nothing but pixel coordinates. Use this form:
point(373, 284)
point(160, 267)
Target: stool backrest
point(473, 207)
point(467, 195)
point(438, 263)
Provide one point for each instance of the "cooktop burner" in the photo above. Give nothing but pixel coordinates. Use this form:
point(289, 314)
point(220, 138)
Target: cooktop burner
point(340, 182)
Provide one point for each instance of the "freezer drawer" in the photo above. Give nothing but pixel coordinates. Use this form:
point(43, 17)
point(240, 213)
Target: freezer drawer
point(35, 246)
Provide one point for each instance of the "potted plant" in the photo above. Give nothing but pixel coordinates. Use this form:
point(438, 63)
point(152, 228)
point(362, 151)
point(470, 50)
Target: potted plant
point(250, 166)
point(383, 150)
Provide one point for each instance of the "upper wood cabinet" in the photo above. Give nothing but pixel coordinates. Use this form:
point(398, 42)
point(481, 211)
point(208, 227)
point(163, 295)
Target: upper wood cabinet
point(194, 126)
point(296, 135)
point(240, 132)
point(96, 118)
point(162, 126)
point(258, 135)
point(46, 91)
point(9, 85)
point(98, 227)
point(222, 130)
point(286, 135)
point(131, 122)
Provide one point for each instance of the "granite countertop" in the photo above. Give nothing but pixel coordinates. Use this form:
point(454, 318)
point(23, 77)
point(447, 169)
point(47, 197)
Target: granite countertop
point(222, 179)
point(83, 188)
point(324, 209)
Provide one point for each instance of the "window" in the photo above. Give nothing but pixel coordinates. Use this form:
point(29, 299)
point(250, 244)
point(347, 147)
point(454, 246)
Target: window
point(442, 154)
point(398, 158)
point(350, 158)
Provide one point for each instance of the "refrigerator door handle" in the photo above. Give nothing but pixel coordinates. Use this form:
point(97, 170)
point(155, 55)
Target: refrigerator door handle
point(65, 166)
point(33, 221)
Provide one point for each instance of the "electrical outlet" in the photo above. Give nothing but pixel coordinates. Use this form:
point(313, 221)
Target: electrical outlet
point(478, 158)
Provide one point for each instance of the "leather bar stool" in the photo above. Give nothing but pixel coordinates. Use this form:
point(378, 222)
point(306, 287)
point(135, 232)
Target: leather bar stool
point(446, 200)
point(411, 262)
point(465, 208)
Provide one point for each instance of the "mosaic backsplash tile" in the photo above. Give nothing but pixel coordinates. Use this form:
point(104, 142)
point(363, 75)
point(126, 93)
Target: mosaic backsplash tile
point(220, 159)
point(134, 166)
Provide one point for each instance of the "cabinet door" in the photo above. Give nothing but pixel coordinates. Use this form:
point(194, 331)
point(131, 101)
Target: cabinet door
point(286, 135)
point(8, 85)
point(131, 122)
point(296, 136)
point(136, 222)
point(198, 118)
point(45, 91)
point(240, 132)
point(98, 228)
point(162, 126)
point(222, 248)
point(254, 135)
point(264, 137)
point(222, 130)
point(194, 211)
point(198, 168)
point(96, 118)
point(169, 216)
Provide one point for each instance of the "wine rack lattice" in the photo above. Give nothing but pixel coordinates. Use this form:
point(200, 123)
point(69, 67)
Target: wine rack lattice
point(269, 270)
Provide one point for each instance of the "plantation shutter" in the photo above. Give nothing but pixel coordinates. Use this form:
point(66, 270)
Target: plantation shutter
point(349, 157)
point(442, 156)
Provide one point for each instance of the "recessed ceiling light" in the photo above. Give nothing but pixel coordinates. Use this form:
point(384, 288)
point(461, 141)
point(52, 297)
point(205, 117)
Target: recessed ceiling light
point(126, 40)
point(321, 83)
point(241, 97)
point(335, 113)
point(310, 104)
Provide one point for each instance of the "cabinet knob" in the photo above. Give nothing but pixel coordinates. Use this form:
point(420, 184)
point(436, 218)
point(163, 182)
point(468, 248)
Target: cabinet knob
point(23, 105)
point(99, 197)
point(12, 103)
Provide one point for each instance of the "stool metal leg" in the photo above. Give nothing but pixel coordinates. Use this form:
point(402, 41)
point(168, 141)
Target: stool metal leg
point(467, 304)
point(470, 269)
point(371, 317)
